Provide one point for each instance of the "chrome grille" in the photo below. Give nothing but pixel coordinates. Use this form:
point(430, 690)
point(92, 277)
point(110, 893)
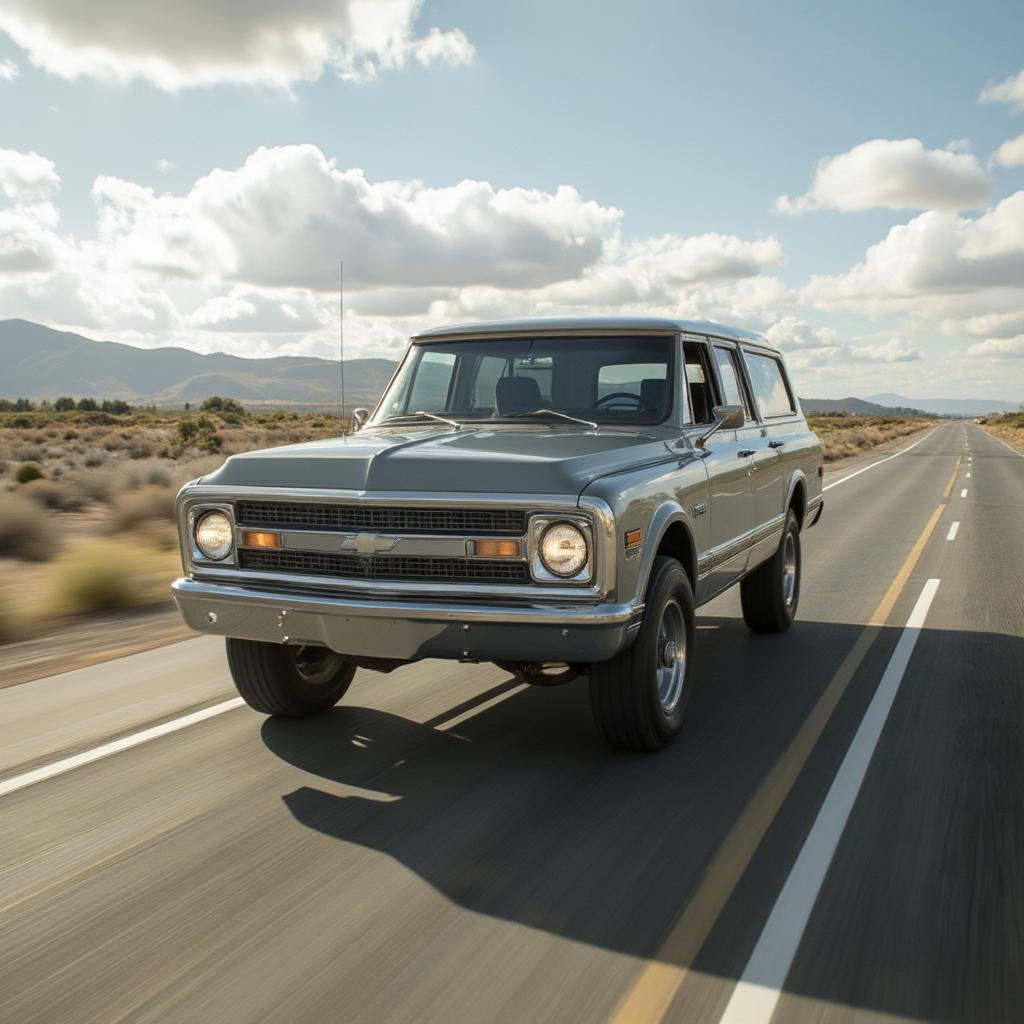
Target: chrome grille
point(402, 519)
point(316, 563)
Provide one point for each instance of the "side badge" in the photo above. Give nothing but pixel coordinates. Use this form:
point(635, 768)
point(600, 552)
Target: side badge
point(699, 509)
point(634, 540)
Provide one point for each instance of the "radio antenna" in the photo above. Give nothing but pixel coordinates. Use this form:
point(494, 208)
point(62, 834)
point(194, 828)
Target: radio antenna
point(341, 335)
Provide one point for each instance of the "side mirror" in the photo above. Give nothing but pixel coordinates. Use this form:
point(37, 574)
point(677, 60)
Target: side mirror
point(727, 417)
point(359, 417)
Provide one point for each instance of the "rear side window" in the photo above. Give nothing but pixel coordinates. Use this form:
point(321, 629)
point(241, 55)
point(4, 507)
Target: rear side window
point(732, 384)
point(771, 389)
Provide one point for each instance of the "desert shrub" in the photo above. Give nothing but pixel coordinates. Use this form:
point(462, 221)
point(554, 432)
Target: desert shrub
point(222, 405)
point(64, 404)
point(22, 422)
point(54, 494)
point(27, 472)
point(144, 505)
point(71, 435)
point(25, 532)
point(157, 475)
point(101, 576)
point(88, 405)
point(94, 458)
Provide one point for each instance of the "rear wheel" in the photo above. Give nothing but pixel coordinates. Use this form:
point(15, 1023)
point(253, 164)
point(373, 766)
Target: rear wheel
point(770, 594)
point(639, 697)
point(288, 681)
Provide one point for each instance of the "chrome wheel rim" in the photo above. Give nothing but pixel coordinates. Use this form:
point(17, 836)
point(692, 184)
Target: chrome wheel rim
point(671, 654)
point(315, 665)
point(789, 570)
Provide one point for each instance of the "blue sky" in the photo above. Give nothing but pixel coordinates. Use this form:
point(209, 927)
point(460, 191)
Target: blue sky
point(676, 125)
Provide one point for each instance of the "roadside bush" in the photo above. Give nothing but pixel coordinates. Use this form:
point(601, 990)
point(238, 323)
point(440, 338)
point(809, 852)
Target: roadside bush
point(25, 532)
point(28, 472)
point(222, 405)
point(54, 494)
point(142, 506)
point(102, 576)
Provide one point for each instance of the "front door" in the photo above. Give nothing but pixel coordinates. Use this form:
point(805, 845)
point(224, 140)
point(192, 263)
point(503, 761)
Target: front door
point(730, 508)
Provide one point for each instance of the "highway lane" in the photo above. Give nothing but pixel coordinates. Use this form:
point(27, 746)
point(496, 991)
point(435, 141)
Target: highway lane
point(384, 863)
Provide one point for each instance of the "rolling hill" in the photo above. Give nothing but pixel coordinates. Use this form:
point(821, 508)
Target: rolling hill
point(39, 362)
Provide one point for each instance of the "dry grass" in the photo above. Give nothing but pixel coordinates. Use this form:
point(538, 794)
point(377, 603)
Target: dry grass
point(25, 532)
point(844, 436)
point(1009, 428)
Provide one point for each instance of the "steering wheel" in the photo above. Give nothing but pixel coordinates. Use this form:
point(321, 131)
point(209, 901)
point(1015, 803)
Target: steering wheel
point(620, 396)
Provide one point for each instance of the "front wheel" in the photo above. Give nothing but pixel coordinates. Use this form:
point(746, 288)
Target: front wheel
point(770, 594)
point(639, 697)
point(288, 681)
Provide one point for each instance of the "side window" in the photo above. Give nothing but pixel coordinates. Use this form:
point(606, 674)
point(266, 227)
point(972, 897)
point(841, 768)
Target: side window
point(771, 389)
point(732, 381)
point(432, 383)
point(489, 370)
point(699, 381)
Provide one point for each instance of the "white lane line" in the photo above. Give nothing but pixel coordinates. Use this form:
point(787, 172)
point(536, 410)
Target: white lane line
point(888, 458)
point(1008, 446)
point(479, 708)
point(66, 764)
point(953, 531)
point(968, 476)
point(963, 493)
point(756, 995)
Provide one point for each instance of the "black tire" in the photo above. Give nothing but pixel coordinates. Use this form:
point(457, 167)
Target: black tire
point(769, 603)
point(286, 681)
point(624, 694)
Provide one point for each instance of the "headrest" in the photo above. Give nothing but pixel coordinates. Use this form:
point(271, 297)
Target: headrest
point(652, 393)
point(517, 394)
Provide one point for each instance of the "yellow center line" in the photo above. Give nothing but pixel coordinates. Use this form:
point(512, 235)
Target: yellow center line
point(952, 479)
point(660, 980)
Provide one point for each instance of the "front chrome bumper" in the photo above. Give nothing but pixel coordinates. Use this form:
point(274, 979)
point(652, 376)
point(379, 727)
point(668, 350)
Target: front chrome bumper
point(409, 630)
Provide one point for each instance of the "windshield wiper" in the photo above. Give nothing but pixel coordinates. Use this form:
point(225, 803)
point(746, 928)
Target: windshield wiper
point(553, 412)
point(425, 415)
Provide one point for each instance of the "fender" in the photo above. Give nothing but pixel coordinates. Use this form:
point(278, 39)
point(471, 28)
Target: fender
point(797, 479)
point(666, 515)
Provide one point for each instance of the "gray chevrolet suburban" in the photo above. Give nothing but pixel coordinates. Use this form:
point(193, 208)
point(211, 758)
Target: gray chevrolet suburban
point(556, 496)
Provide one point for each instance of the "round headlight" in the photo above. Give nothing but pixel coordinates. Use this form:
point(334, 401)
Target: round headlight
point(214, 535)
point(563, 550)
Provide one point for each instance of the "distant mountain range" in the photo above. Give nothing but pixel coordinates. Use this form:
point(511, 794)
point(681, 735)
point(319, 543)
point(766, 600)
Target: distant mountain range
point(950, 406)
point(39, 362)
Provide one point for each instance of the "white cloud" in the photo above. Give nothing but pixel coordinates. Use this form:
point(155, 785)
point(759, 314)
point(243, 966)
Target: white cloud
point(1010, 90)
point(163, 164)
point(933, 257)
point(792, 334)
point(23, 175)
point(987, 325)
point(8, 71)
point(246, 311)
point(999, 348)
point(288, 214)
point(1010, 153)
point(28, 242)
point(893, 174)
point(196, 42)
point(895, 350)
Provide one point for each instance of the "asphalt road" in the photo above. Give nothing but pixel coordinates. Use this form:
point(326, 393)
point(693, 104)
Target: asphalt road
point(839, 835)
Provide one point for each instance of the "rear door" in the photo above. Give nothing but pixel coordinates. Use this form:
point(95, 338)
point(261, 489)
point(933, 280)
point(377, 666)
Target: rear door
point(777, 411)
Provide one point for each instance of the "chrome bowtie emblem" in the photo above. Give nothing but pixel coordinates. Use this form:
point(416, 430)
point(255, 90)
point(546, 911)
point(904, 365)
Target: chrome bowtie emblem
point(368, 543)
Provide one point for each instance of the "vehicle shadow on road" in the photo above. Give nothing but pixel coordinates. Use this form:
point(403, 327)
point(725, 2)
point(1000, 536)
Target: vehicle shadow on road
point(521, 813)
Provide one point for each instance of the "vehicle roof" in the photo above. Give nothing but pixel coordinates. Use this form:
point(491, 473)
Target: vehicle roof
point(587, 324)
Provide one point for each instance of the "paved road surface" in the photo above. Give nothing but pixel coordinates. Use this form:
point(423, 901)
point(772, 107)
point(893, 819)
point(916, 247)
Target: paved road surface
point(838, 837)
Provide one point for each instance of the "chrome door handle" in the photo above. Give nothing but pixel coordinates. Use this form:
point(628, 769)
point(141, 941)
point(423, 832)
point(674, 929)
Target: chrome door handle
point(776, 444)
point(745, 453)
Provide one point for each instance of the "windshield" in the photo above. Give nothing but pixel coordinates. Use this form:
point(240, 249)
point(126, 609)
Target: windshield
point(597, 380)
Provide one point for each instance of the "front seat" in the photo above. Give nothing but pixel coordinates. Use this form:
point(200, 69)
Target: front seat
point(652, 394)
point(517, 394)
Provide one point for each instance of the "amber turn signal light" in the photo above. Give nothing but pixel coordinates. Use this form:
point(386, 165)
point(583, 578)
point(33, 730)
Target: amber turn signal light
point(257, 539)
point(497, 548)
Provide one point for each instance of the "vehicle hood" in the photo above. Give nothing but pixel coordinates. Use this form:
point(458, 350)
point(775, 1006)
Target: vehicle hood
point(505, 460)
